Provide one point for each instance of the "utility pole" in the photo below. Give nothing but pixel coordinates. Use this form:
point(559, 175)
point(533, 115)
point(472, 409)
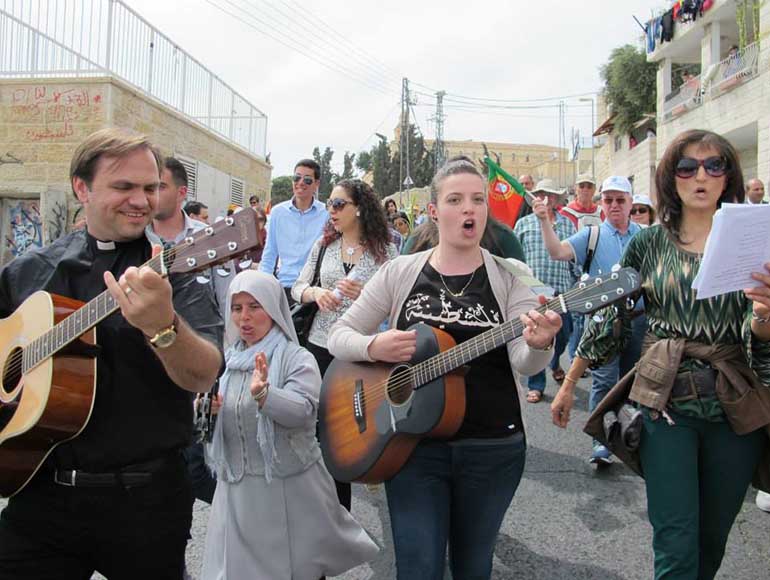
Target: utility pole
point(405, 180)
point(439, 150)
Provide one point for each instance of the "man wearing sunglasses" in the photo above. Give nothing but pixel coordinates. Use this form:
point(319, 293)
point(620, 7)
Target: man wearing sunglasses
point(614, 234)
point(294, 226)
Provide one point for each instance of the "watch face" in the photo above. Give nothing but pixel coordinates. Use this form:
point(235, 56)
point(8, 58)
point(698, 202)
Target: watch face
point(165, 339)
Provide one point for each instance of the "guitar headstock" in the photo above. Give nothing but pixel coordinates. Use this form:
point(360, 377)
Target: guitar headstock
point(591, 294)
point(214, 244)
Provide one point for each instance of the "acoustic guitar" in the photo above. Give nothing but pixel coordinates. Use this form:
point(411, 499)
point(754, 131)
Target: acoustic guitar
point(372, 415)
point(48, 349)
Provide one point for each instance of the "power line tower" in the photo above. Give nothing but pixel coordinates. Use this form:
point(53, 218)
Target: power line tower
point(439, 149)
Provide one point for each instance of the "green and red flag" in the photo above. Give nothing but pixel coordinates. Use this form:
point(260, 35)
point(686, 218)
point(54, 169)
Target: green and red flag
point(505, 194)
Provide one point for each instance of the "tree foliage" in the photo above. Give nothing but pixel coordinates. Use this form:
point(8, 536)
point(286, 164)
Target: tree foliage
point(327, 175)
point(630, 86)
point(281, 189)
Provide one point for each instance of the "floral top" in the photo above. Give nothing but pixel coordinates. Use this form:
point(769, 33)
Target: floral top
point(667, 273)
point(333, 270)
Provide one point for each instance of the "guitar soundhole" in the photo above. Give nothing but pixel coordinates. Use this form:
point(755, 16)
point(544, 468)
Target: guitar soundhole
point(400, 385)
point(12, 370)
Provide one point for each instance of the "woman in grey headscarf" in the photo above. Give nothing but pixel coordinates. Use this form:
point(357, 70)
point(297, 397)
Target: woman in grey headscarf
point(275, 514)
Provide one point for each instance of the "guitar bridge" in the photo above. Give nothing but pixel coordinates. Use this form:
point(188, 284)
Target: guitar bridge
point(359, 406)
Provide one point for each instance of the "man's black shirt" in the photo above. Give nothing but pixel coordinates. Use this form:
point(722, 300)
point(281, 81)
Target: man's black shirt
point(139, 413)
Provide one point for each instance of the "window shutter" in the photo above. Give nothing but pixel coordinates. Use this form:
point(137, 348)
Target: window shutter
point(191, 166)
point(237, 187)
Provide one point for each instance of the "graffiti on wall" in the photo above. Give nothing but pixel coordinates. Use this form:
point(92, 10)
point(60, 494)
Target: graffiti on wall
point(53, 110)
point(23, 228)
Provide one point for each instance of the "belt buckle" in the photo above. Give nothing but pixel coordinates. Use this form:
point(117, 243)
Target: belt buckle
point(72, 480)
point(693, 389)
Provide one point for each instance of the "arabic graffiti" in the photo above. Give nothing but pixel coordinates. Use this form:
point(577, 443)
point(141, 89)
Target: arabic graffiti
point(53, 110)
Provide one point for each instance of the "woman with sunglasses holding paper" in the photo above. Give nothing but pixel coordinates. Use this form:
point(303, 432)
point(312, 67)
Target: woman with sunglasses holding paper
point(699, 449)
point(356, 242)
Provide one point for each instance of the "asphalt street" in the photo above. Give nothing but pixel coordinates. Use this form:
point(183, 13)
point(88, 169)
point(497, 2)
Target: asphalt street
point(567, 521)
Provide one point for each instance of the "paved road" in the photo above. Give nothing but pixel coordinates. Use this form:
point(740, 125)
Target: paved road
point(567, 521)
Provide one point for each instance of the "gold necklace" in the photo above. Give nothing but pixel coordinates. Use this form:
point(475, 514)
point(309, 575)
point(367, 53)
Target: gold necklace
point(464, 288)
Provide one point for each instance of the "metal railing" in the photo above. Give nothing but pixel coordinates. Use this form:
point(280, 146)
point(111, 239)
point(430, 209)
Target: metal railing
point(82, 38)
point(734, 69)
point(686, 97)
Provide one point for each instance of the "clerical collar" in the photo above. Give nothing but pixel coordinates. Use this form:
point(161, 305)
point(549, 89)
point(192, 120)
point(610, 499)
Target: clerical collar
point(105, 246)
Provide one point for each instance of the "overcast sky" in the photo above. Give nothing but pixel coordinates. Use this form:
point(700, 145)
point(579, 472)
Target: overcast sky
point(513, 50)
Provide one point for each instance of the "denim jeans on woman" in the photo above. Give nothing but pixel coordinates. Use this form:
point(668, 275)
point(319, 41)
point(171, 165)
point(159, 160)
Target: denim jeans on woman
point(456, 493)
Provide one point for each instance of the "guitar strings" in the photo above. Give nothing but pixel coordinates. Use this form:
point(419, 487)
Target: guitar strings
point(16, 360)
point(398, 382)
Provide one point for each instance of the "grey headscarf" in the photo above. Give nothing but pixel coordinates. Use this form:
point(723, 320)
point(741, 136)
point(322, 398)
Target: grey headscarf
point(231, 465)
point(269, 293)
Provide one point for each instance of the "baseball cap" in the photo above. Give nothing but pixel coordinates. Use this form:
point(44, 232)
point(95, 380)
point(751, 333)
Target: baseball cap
point(616, 183)
point(642, 200)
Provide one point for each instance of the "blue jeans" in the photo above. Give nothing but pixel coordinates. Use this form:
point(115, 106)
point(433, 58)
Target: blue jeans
point(605, 377)
point(578, 325)
point(537, 382)
point(453, 492)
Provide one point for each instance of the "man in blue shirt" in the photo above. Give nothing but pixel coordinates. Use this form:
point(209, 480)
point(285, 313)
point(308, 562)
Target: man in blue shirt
point(614, 234)
point(294, 227)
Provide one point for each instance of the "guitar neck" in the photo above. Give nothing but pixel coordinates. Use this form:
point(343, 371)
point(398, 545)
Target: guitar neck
point(79, 322)
point(478, 346)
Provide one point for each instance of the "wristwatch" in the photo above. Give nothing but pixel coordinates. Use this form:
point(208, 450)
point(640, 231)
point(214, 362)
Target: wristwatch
point(165, 337)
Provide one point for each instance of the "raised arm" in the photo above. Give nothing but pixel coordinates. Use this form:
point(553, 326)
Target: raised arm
point(557, 249)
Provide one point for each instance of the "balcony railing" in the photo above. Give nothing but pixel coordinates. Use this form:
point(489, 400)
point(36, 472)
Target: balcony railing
point(717, 80)
point(89, 38)
point(686, 97)
point(734, 70)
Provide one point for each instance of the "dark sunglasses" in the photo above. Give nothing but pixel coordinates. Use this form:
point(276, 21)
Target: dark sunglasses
point(337, 204)
point(688, 167)
point(642, 210)
point(306, 179)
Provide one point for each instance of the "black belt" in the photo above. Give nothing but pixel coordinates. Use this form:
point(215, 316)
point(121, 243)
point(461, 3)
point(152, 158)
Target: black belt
point(694, 385)
point(127, 476)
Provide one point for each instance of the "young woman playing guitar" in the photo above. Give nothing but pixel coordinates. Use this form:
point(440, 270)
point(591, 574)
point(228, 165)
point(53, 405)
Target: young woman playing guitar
point(454, 490)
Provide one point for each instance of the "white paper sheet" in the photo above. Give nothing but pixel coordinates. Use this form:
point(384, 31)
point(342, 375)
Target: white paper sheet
point(739, 244)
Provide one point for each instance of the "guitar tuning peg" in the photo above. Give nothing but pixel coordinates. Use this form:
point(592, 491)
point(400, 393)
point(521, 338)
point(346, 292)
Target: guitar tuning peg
point(630, 303)
point(616, 268)
point(584, 277)
point(598, 318)
point(202, 280)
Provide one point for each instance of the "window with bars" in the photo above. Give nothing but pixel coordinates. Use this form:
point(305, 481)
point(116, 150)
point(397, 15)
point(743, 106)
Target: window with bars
point(237, 187)
point(191, 166)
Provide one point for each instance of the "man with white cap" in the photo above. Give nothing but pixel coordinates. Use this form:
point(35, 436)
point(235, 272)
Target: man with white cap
point(613, 237)
point(582, 211)
point(558, 275)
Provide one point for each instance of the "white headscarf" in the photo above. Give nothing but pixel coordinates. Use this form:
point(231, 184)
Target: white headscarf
point(269, 293)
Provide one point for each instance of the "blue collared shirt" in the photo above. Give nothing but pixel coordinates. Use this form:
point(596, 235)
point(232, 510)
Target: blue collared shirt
point(609, 249)
point(290, 237)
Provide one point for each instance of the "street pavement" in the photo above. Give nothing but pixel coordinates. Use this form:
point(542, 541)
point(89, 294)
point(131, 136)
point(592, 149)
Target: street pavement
point(568, 521)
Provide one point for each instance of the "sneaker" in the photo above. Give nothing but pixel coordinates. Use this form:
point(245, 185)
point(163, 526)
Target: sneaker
point(763, 501)
point(601, 456)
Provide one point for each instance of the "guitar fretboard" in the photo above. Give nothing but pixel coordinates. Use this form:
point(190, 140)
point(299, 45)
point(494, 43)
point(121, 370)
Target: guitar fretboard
point(79, 322)
point(457, 356)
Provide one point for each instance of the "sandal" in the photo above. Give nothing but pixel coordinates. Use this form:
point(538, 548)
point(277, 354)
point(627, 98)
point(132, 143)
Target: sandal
point(558, 375)
point(534, 396)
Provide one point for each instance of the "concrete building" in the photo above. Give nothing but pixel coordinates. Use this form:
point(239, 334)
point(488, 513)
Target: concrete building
point(728, 93)
point(55, 89)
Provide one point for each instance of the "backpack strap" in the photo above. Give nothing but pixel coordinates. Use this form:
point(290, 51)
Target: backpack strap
point(593, 241)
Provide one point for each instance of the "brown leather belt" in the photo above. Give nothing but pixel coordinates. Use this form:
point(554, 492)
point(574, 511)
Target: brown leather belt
point(127, 476)
point(694, 385)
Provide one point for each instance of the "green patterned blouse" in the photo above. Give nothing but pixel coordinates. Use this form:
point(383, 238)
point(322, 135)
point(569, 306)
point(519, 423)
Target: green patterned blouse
point(667, 273)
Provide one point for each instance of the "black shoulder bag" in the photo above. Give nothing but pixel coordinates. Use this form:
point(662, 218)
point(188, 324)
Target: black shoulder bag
point(302, 314)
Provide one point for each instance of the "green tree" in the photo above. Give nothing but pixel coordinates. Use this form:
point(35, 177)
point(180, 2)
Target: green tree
point(281, 189)
point(327, 175)
point(629, 86)
point(347, 167)
point(364, 161)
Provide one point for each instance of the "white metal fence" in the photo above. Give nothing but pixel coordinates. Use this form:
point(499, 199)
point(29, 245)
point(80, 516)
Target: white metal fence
point(80, 38)
point(688, 95)
point(735, 68)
